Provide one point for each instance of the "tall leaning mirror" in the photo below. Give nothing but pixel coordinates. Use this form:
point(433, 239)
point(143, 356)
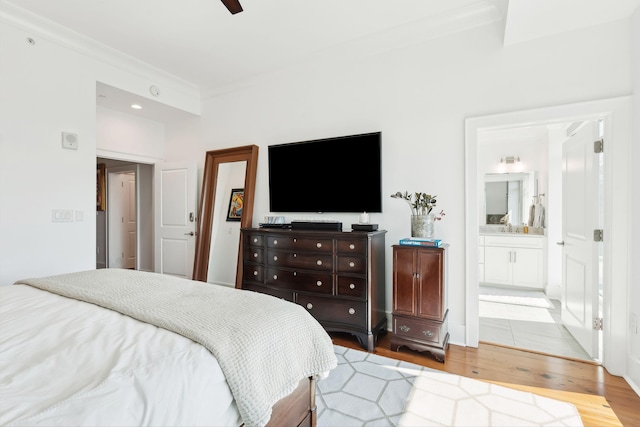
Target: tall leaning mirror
point(218, 220)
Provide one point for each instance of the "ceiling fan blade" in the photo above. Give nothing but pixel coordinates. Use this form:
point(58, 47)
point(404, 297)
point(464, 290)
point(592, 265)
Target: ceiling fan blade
point(233, 6)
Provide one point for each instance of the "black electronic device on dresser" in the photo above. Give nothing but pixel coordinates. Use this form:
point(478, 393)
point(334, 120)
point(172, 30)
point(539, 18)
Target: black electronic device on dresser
point(339, 277)
point(420, 306)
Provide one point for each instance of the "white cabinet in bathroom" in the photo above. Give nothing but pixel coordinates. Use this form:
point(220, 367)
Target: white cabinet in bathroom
point(514, 260)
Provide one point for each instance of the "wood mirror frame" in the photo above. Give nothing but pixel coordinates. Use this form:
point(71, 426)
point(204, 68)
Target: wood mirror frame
point(213, 159)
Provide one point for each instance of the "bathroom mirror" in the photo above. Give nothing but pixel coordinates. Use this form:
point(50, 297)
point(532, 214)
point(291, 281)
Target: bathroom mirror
point(508, 193)
point(220, 168)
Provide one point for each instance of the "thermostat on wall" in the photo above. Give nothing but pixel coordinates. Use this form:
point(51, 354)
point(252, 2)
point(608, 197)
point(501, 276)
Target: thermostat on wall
point(70, 140)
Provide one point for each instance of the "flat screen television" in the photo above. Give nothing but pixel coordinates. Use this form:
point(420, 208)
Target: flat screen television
point(341, 175)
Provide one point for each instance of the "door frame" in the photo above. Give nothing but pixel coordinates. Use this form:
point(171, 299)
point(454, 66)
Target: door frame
point(144, 167)
point(616, 112)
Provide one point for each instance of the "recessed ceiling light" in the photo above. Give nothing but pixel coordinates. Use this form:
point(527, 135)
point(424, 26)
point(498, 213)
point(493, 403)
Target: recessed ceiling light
point(136, 106)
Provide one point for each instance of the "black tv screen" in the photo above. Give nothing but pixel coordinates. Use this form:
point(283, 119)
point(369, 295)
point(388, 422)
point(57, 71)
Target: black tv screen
point(340, 174)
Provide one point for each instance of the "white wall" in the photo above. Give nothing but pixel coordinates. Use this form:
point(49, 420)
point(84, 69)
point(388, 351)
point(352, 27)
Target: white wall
point(47, 88)
point(119, 133)
point(633, 342)
point(419, 97)
point(41, 96)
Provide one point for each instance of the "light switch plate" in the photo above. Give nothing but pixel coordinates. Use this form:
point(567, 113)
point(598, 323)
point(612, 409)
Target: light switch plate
point(62, 215)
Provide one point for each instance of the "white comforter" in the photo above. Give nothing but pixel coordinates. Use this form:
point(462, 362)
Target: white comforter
point(263, 345)
point(93, 366)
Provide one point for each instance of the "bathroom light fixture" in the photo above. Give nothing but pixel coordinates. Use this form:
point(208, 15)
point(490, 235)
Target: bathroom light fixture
point(510, 159)
point(136, 106)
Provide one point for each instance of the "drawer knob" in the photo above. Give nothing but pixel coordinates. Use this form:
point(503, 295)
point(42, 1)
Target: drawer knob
point(275, 257)
point(295, 240)
point(319, 283)
point(309, 305)
point(295, 255)
point(352, 264)
point(319, 262)
point(352, 311)
point(318, 245)
point(352, 286)
point(275, 242)
point(295, 273)
point(428, 333)
point(352, 246)
point(404, 328)
point(255, 254)
point(255, 240)
point(275, 277)
point(255, 272)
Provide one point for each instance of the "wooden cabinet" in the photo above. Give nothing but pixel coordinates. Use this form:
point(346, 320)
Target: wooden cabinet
point(339, 277)
point(514, 261)
point(420, 300)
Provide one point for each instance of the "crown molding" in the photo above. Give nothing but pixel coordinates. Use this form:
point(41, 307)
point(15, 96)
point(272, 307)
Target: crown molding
point(37, 25)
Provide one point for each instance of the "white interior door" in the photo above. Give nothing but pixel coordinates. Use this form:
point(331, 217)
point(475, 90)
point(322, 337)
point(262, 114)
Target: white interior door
point(580, 217)
point(121, 206)
point(175, 222)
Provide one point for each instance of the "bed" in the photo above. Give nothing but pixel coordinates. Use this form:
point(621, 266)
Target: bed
point(123, 347)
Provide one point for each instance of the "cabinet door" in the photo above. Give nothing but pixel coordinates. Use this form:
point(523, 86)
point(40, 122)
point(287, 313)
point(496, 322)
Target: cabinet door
point(404, 293)
point(497, 265)
point(527, 267)
point(429, 279)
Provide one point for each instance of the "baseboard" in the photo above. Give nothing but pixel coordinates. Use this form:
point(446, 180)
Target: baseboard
point(635, 387)
point(632, 376)
point(553, 291)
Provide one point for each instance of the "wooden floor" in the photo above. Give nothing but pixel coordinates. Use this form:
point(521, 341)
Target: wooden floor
point(601, 398)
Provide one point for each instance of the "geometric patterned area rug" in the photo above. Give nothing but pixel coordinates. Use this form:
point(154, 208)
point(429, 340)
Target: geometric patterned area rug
point(370, 390)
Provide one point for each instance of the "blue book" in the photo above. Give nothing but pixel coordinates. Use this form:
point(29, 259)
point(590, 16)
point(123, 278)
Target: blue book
point(421, 241)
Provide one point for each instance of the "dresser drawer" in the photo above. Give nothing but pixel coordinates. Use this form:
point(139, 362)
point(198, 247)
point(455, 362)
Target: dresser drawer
point(253, 254)
point(254, 239)
point(300, 243)
point(352, 286)
point(286, 295)
point(253, 273)
point(418, 329)
point(334, 310)
point(300, 281)
point(352, 264)
point(319, 262)
point(352, 247)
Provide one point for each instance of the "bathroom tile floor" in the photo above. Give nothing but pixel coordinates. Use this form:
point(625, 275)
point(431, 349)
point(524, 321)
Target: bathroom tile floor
point(525, 319)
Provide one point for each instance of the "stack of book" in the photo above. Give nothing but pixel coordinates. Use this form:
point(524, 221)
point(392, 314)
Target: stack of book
point(421, 241)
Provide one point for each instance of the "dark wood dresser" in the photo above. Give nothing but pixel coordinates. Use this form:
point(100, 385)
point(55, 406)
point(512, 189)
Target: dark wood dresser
point(339, 277)
point(420, 299)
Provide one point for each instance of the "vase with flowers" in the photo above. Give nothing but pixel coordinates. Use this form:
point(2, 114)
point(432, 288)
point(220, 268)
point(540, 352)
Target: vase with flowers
point(422, 217)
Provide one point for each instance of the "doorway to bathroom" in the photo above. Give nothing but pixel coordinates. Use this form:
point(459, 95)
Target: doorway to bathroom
point(530, 183)
point(611, 258)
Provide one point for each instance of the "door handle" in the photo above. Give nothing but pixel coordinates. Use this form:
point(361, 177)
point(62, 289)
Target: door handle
point(191, 233)
point(560, 243)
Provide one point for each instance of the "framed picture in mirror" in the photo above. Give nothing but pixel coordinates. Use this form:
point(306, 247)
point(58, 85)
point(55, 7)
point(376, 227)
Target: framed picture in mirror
point(236, 202)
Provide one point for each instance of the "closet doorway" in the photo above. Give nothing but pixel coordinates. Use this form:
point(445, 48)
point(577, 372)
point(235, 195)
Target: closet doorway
point(124, 230)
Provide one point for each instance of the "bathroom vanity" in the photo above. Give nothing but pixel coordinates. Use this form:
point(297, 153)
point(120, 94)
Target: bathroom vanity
point(512, 259)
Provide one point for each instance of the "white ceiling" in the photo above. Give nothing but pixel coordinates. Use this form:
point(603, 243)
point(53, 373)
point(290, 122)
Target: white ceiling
point(200, 42)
